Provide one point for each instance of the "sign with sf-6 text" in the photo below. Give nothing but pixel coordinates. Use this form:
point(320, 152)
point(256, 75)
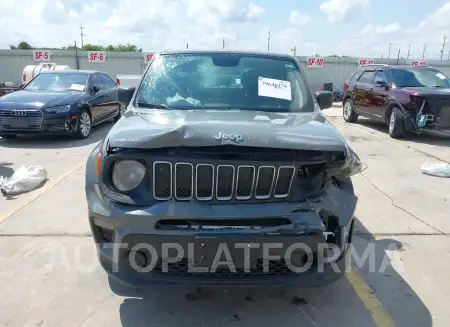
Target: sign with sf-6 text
point(314, 62)
point(41, 55)
point(97, 57)
point(419, 63)
point(148, 57)
point(365, 62)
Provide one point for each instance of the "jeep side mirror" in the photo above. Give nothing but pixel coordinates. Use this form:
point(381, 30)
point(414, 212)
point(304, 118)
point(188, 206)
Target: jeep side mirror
point(324, 99)
point(125, 94)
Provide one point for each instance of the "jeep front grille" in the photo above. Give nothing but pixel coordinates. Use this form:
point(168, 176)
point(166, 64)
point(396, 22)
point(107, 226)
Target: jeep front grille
point(185, 181)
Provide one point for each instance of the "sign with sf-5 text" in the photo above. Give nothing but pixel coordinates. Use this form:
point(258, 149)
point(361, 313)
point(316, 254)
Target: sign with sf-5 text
point(97, 57)
point(41, 55)
point(314, 62)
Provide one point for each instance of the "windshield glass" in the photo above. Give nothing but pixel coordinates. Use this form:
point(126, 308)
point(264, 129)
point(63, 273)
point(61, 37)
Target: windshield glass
point(58, 82)
point(221, 80)
point(419, 78)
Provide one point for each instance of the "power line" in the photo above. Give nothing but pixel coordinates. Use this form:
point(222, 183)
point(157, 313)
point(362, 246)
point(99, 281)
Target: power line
point(81, 34)
point(443, 46)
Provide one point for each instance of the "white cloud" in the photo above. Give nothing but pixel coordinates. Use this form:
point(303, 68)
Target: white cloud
point(374, 40)
point(296, 18)
point(341, 10)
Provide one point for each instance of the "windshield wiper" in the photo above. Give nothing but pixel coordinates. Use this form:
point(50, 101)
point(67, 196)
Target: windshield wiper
point(152, 105)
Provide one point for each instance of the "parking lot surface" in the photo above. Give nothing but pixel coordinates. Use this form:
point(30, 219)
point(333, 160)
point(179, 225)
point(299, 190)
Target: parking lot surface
point(49, 275)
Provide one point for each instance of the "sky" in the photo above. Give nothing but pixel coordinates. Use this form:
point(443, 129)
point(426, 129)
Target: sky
point(359, 28)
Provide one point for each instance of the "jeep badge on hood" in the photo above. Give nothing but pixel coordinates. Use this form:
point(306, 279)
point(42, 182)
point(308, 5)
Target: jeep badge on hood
point(232, 136)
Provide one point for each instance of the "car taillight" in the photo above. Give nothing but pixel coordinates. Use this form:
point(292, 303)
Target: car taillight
point(346, 84)
point(118, 81)
point(24, 77)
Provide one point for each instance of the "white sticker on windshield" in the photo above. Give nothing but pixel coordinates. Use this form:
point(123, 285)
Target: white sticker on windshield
point(274, 88)
point(77, 87)
point(441, 76)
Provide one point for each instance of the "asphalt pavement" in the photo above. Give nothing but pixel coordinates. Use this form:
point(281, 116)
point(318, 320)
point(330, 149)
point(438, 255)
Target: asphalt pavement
point(49, 274)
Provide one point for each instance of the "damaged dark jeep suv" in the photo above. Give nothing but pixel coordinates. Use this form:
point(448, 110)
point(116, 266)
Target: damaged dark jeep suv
point(223, 170)
point(407, 98)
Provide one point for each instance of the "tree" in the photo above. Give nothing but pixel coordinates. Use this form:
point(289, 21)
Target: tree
point(22, 45)
point(87, 47)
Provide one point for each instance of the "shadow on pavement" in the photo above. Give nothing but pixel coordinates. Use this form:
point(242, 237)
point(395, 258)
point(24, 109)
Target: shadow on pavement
point(339, 304)
point(28, 141)
point(427, 137)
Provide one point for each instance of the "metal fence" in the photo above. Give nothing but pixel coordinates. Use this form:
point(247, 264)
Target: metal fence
point(336, 69)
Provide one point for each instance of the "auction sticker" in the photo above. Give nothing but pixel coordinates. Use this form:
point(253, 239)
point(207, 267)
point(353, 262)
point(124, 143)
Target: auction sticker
point(274, 88)
point(96, 57)
point(77, 87)
point(365, 62)
point(315, 62)
point(41, 55)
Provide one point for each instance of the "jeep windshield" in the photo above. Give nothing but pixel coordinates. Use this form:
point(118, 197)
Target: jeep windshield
point(419, 78)
point(224, 81)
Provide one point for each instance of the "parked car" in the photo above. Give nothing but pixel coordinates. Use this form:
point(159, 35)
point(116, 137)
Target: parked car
point(124, 80)
point(194, 167)
point(406, 98)
point(60, 102)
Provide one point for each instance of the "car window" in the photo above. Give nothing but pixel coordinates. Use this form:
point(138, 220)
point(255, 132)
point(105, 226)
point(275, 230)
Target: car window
point(107, 81)
point(367, 77)
point(225, 80)
point(380, 76)
point(95, 80)
point(353, 77)
point(419, 77)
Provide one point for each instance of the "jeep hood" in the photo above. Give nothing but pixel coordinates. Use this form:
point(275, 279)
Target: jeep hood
point(151, 128)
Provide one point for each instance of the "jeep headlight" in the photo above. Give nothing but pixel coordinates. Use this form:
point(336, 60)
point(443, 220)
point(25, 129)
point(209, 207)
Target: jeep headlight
point(58, 109)
point(127, 174)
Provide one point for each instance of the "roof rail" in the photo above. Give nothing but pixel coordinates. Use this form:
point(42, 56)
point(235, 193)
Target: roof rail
point(385, 65)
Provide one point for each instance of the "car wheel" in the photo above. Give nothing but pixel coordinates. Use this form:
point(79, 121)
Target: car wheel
point(8, 136)
point(121, 110)
point(350, 116)
point(84, 125)
point(396, 124)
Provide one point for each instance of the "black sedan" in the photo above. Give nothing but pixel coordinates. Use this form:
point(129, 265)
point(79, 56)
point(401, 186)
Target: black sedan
point(60, 102)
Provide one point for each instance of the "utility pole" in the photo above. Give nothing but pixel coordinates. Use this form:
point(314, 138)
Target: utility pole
point(77, 62)
point(81, 34)
point(223, 43)
point(443, 46)
point(268, 42)
point(423, 54)
point(389, 52)
point(409, 52)
point(398, 56)
point(187, 45)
